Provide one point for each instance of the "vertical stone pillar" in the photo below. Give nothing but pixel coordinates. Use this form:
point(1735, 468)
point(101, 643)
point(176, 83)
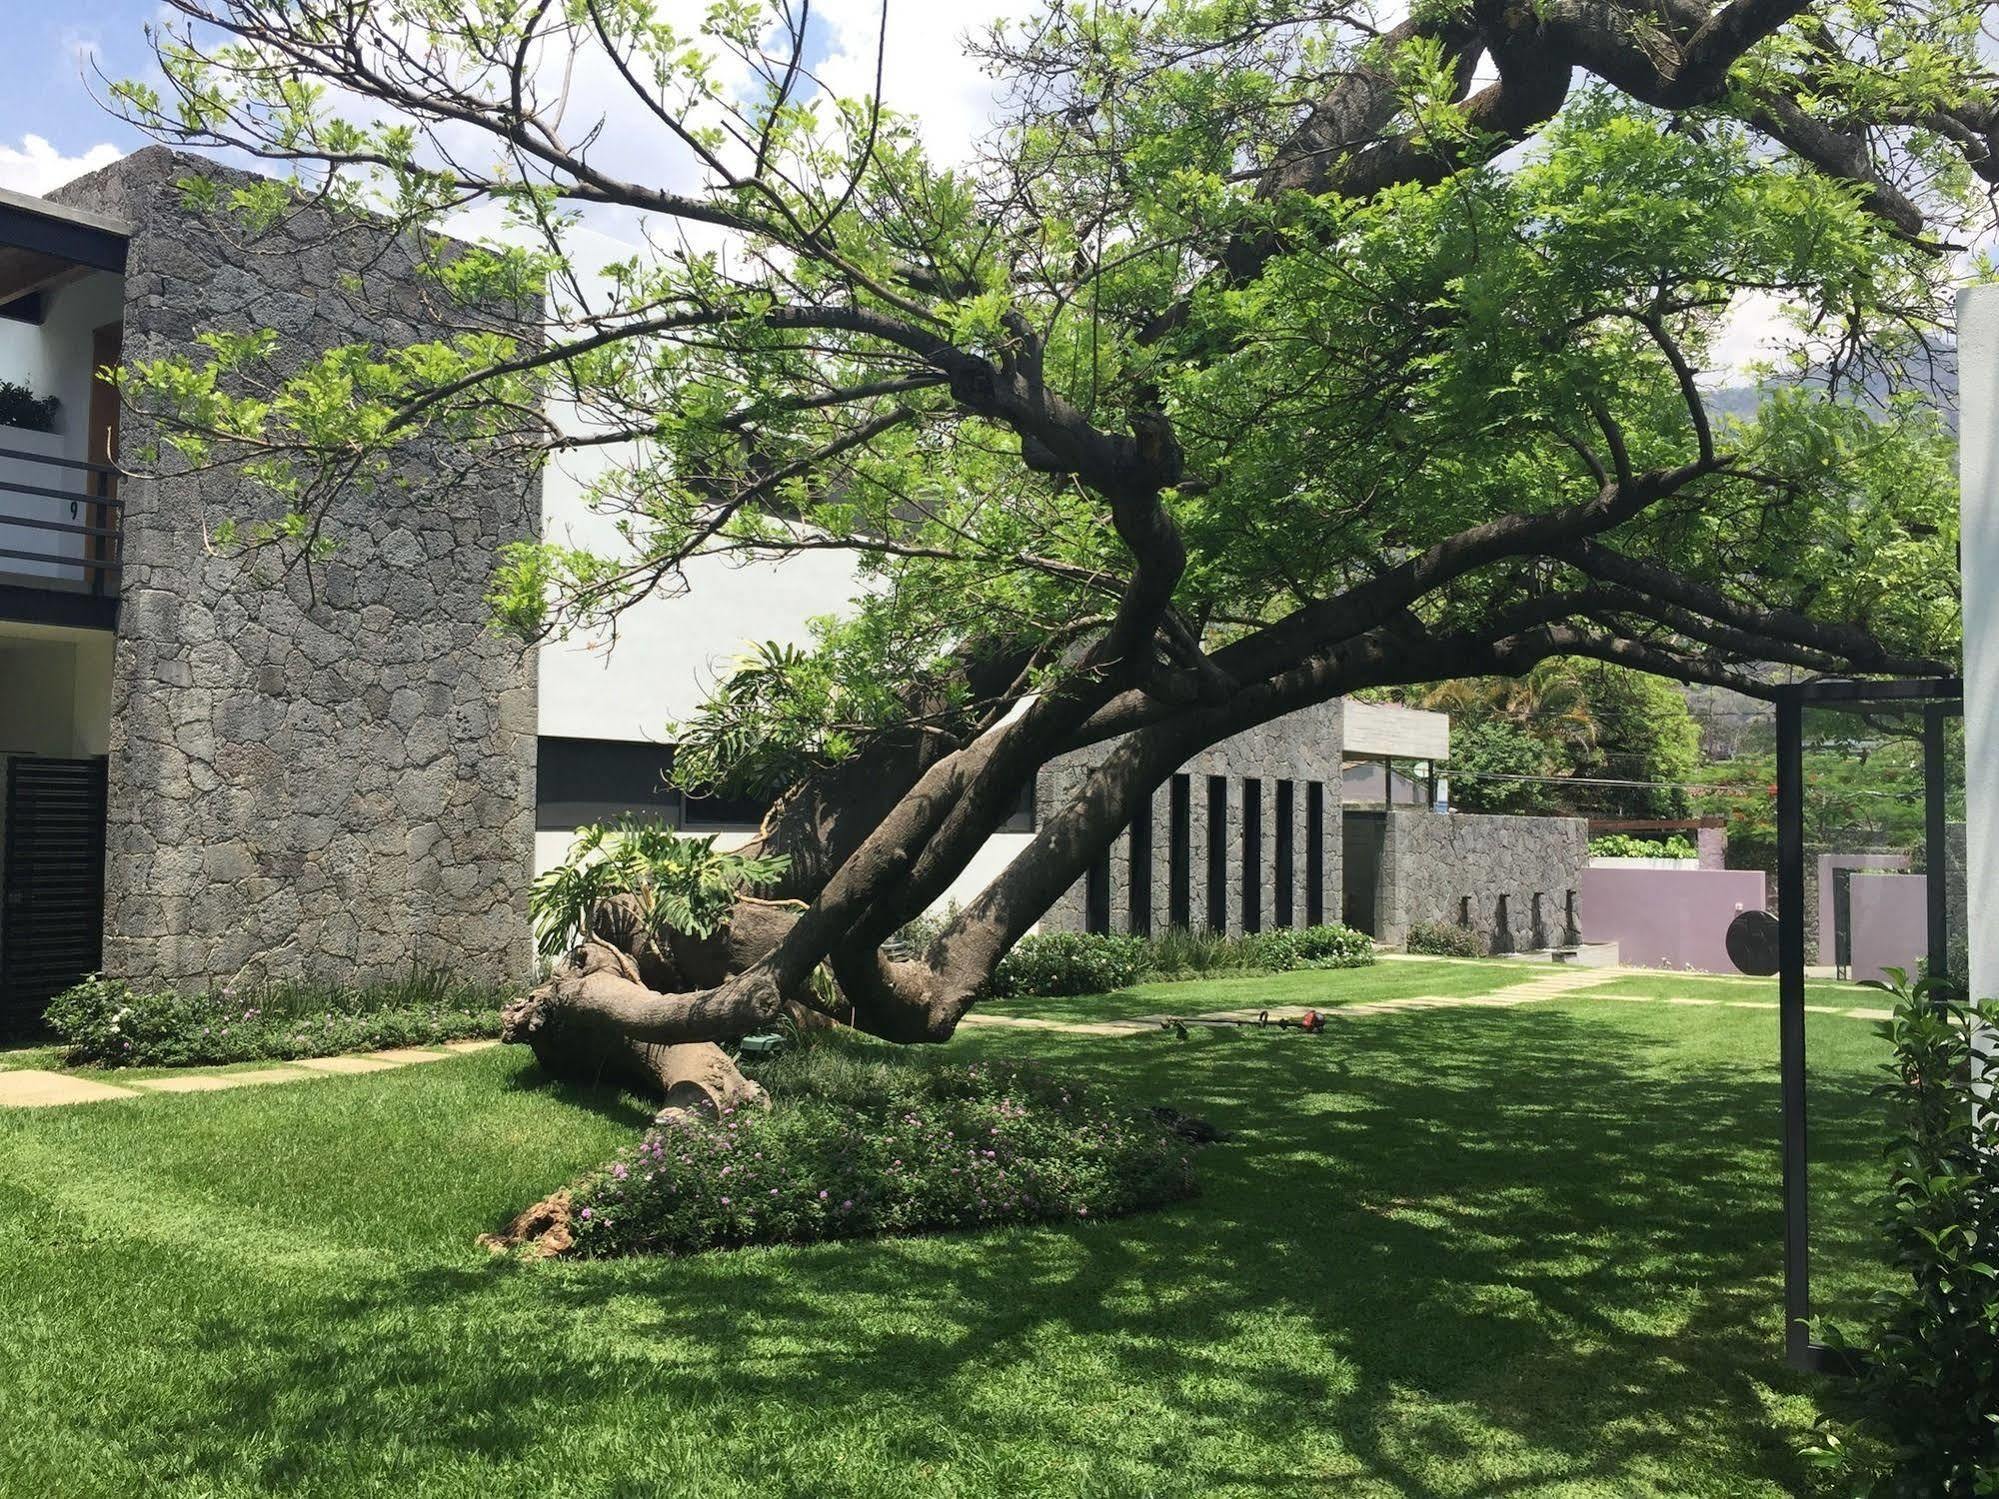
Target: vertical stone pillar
point(1162, 845)
point(1712, 846)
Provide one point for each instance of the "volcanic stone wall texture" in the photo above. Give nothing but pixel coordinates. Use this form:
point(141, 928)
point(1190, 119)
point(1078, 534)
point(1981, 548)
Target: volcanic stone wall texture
point(1510, 879)
point(1300, 750)
point(325, 775)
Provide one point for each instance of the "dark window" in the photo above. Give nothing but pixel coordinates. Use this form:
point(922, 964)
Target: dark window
point(1021, 819)
point(1281, 906)
point(1097, 894)
point(1252, 855)
point(1179, 851)
point(1218, 853)
point(593, 780)
point(731, 812)
point(1315, 853)
point(1138, 885)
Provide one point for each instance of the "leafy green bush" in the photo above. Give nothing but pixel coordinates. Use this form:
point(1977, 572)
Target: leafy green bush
point(1923, 1417)
point(107, 1022)
point(856, 1144)
point(1180, 954)
point(1333, 946)
point(680, 882)
point(1627, 846)
point(21, 407)
point(1055, 964)
point(1439, 939)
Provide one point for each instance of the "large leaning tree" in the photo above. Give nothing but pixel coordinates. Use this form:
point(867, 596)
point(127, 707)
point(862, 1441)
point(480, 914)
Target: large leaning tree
point(1265, 351)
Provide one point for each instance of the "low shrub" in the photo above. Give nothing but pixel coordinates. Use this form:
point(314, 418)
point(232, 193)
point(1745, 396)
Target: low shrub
point(1920, 1419)
point(1177, 953)
point(1439, 939)
point(1629, 846)
point(109, 1023)
point(1057, 964)
point(1333, 946)
point(857, 1145)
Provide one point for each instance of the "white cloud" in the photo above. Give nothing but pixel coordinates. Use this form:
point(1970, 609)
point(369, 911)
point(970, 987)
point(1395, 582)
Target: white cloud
point(36, 167)
point(925, 72)
point(1755, 330)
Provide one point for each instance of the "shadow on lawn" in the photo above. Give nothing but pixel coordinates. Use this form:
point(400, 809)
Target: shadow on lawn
point(607, 1101)
point(1520, 1223)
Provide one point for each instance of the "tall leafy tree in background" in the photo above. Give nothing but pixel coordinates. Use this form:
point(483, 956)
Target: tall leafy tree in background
point(1271, 350)
point(1550, 740)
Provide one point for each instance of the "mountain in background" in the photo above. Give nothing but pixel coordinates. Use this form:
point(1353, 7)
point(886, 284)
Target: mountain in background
point(1931, 372)
point(1730, 723)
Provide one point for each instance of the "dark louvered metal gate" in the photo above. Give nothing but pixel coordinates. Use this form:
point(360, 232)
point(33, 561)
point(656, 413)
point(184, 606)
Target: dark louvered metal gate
point(52, 895)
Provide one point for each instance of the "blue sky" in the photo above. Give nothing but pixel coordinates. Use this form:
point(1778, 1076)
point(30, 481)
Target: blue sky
point(42, 92)
point(50, 123)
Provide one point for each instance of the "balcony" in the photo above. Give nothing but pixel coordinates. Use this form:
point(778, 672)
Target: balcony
point(60, 533)
point(62, 304)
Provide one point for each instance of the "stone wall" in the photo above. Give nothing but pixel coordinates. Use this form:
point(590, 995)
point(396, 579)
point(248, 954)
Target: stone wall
point(328, 775)
point(1509, 878)
point(1301, 748)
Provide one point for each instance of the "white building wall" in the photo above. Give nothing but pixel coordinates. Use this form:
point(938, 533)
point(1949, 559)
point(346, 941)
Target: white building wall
point(54, 357)
point(1978, 459)
point(664, 655)
point(1399, 732)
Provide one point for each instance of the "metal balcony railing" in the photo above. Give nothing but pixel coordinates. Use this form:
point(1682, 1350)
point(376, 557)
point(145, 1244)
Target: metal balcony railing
point(65, 531)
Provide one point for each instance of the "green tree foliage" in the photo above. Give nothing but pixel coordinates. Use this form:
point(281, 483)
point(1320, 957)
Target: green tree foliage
point(1538, 307)
point(678, 883)
point(1863, 788)
point(1536, 743)
point(1919, 1420)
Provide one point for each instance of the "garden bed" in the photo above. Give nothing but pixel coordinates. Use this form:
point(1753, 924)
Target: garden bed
point(106, 1023)
point(858, 1144)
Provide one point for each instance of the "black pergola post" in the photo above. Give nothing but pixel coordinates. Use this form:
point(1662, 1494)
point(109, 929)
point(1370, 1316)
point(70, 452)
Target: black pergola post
point(1940, 699)
point(1791, 1027)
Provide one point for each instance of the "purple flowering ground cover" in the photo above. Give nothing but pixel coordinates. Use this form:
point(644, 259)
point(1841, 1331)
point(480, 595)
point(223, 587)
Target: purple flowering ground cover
point(854, 1146)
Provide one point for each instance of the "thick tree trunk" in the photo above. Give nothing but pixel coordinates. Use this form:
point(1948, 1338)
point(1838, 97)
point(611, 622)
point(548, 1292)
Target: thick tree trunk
point(587, 1023)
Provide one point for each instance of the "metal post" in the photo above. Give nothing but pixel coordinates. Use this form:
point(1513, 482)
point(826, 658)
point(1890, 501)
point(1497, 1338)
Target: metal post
point(99, 548)
point(1791, 1025)
point(1936, 850)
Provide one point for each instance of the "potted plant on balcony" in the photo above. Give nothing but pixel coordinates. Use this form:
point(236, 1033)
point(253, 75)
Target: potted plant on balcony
point(27, 436)
point(21, 408)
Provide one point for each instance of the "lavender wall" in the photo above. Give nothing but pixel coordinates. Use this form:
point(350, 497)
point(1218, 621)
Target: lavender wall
point(1890, 923)
point(1668, 918)
point(1823, 892)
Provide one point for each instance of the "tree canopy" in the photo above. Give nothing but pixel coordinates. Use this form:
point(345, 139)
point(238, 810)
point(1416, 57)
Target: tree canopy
point(1578, 738)
point(1267, 350)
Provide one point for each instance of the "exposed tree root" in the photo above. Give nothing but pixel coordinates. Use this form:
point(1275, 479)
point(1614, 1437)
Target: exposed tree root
point(543, 1230)
point(588, 1023)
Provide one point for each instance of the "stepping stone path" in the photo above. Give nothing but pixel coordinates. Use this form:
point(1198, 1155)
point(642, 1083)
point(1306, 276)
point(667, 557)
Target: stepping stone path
point(1067, 1027)
point(33, 1088)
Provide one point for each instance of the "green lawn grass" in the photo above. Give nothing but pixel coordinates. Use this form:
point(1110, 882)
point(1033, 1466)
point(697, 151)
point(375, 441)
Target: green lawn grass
point(1449, 1253)
point(1397, 979)
point(1711, 986)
